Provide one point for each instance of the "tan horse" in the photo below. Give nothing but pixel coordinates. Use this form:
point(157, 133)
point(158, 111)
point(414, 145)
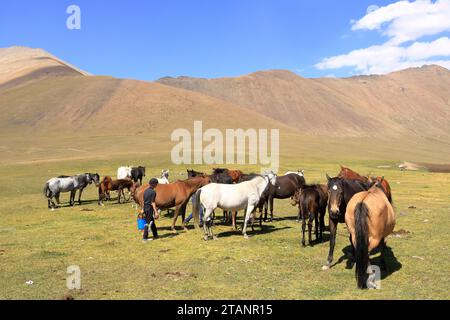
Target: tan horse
point(171, 195)
point(370, 218)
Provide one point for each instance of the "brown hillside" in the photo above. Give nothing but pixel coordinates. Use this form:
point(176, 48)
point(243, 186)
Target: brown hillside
point(21, 65)
point(412, 101)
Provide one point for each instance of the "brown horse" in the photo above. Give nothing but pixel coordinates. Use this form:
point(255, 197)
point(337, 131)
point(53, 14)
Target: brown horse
point(108, 184)
point(312, 202)
point(171, 195)
point(370, 218)
point(349, 174)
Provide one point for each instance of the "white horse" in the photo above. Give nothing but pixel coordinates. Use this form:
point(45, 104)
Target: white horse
point(164, 177)
point(301, 173)
point(230, 197)
point(123, 173)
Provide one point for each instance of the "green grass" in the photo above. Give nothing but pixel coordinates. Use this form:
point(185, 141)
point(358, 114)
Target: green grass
point(37, 244)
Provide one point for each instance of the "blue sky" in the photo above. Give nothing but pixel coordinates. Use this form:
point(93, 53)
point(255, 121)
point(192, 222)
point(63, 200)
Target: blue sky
point(201, 38)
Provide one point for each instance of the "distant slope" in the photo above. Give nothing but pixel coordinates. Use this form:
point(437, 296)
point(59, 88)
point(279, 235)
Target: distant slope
point(21, 65)
point(109, 106)
point(414, 101)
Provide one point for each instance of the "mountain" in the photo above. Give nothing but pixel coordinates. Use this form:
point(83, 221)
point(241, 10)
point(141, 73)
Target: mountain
point(50, 110)
point(413, 101)
point(22, 65)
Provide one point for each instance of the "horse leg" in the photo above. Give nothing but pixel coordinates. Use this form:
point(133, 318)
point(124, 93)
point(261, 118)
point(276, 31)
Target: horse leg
point(183, 216)
point(310, 222)
point(119, 194)
point(333, 229)
point(79, 196)
point(206, 223)
point(72, 197)
point(233, 220)
point(57, 198)
point(271, 209)
point(303, 230)
point(175, 217)
point(247, 218)
point(383, 252)
point(316, 225)
point(322, 225)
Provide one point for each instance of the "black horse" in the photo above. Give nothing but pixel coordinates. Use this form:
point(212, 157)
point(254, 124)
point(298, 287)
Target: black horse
point(137, 174)
point(340, 192)
point(284, 188)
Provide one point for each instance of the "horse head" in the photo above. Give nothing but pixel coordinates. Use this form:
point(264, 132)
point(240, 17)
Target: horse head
point(335, 195)
point(93, 177)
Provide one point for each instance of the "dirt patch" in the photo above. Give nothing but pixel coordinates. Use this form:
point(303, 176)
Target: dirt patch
point(176, 276)
point(409, 166)
point(437, 168)
point(401, 233)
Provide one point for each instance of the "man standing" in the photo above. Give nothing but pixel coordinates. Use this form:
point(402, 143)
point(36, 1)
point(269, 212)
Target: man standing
point(150, 210)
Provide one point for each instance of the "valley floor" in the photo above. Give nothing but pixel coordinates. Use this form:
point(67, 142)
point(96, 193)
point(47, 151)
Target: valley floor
point(37, 244)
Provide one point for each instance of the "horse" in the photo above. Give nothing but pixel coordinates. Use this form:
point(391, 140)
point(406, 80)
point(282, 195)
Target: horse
point(384, 184)
point(108, 184)
point(349, 174)
point(164, 177)
point(123, 173)
point(284, 188)
point(370, 218)
point(218, 176)
point(340, 191)
point(234, 197)
point(193, 174)
point(171, 195)
point(55, 186)
point(137, 174)
point(301, 173)
point(312, 203)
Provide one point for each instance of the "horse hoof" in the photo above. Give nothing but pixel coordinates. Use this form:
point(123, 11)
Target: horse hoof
point(325, 268)
point(206, 238)
point(215, 238)
point(246, 236)
point(174, 231)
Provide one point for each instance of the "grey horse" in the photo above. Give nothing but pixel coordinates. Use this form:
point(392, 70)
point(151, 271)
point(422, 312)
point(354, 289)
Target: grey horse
point(55, 186)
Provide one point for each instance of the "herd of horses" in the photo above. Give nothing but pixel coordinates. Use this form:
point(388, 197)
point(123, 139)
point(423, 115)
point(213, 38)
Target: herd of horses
point(364, 203)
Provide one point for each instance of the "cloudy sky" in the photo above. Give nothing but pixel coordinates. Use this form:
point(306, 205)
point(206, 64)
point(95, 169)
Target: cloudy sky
point(149, 39)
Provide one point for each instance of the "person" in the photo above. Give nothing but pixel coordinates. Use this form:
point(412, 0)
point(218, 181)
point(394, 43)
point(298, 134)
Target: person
point(150, 211)
point(188, 219)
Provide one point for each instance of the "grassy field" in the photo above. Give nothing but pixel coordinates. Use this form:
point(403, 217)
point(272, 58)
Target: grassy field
point(37, 244)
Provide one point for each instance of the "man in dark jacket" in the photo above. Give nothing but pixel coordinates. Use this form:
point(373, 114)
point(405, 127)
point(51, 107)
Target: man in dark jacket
point(150, 210)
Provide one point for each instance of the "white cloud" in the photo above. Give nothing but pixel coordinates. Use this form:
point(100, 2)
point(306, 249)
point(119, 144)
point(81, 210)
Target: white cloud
point(402, 22)
point(405, 21)
point(385, 58)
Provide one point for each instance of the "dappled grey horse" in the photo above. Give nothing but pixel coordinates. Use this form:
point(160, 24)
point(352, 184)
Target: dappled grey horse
point(55, 186)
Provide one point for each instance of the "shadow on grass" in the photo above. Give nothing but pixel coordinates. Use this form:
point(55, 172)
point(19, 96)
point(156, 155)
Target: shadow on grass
point(265, 230)
point(392, 264)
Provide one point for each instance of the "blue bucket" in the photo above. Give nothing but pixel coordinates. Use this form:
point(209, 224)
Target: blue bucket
point(141, 224)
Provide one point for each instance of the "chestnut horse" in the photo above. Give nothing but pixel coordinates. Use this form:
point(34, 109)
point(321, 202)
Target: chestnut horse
point(370, 218)
point(108, 184)
point(171, 195)
point(384, 184)
point(349, 174)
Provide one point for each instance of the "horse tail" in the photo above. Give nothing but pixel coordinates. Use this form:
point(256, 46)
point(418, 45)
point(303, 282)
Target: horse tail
point(196, 208)
point(362, 244)
point(47, 191)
